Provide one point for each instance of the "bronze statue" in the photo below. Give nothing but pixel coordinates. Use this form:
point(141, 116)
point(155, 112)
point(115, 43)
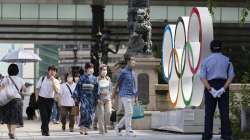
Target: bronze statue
point(139, 27)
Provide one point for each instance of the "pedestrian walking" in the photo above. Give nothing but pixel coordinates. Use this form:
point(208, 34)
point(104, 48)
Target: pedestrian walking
point(68, 105)
point(86, 93)
point(104, 106)
point(12, 112)
point(127, 92)
point(55, 116)
point(46, 89)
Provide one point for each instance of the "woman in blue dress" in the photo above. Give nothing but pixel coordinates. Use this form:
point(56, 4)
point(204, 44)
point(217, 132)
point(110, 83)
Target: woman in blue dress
point(86, 93)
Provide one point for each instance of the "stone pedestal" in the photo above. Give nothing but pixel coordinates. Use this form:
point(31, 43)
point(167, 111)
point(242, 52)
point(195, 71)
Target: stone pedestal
point(147, 77)
point(182, 120)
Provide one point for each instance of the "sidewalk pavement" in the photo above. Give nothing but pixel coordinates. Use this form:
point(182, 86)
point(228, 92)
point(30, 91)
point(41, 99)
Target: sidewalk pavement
point(31, 131)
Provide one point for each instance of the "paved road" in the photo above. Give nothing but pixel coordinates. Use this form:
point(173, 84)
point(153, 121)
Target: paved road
point(31, 131)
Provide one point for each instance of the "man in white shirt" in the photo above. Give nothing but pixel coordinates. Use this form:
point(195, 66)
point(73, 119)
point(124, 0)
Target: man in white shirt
point(46, 89)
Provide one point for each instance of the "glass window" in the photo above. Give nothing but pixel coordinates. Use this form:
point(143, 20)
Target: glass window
point(0, 11)
point(66, 12)
point(108, 12)
point(174, 12)
point(217, 15)
point(120, 12)
point(188, 11)
point(11, 11)
point(158, 12)
point(29, 11)
point(230, 14)
point(48, 11)
point(84, 12)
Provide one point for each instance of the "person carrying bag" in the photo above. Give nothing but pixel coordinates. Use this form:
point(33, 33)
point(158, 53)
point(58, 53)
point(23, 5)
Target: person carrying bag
point(68, 104)
point(12, 106)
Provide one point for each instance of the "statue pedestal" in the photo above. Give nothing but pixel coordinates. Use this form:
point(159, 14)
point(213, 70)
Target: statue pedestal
point(182, 120)
point(147, 77)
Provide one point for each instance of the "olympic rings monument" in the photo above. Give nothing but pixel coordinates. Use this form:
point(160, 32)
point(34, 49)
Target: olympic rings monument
point(185, 45)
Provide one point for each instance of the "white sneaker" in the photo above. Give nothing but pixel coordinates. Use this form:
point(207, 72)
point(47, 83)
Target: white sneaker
point(118, 131)
point(130, 134)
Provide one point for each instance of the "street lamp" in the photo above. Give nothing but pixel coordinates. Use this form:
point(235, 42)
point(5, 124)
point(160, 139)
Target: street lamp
point(75, 50)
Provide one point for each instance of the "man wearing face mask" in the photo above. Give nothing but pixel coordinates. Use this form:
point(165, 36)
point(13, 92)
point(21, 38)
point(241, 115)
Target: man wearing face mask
point(86, 93)
point(68, 104)
point(46, 88)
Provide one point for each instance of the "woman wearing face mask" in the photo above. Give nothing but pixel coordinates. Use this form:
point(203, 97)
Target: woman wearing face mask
point(67, 102)
point(104, 106)
point(86, 93)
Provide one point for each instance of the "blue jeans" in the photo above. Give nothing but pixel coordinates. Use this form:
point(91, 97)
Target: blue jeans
point(55, 116)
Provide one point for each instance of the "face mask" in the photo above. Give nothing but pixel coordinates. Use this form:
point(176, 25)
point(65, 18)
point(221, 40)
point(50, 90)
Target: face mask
point(90, 71)
point(104, 73)
point(70, 79)
point(76, 79)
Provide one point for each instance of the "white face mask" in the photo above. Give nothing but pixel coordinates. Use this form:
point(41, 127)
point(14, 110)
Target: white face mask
point(104, 73)
point(70, 79)
point(90, 71)
point(76, 79)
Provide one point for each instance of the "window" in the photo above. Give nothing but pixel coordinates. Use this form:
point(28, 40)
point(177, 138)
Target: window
point(108, 12)
point(67, 12)
point(120, 12)
point(230, 15)
point(174, 12)
point(48, 11)
point(84, 12)
point(11, 11)
point(158, 12)
point(29, 11)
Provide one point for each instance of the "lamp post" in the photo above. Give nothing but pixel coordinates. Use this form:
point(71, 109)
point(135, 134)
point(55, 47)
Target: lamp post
point(75, 50)
point(75, 69)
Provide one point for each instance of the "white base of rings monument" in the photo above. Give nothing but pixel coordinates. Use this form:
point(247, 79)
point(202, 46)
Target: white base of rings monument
point(182, 121)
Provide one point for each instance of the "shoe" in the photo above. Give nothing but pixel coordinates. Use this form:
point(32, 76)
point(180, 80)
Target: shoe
point(95, 128)
point(63, 128)
point(228, 138)
point(118, 131)
point(56, 122)
point(11, 136)
point(101, 133)
point(71, 130)
point(206, 138)
point(131, 134)
point(45, 134)
point(85, 133)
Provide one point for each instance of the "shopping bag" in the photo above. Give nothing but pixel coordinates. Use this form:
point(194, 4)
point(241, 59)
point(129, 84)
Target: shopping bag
point(138, 111)
point(4, 98)
point(8, 92)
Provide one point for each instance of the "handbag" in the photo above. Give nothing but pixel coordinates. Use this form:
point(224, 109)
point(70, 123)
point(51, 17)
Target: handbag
point(113, 116)
point(75, 109)
point(138, 111)
point(8, 93)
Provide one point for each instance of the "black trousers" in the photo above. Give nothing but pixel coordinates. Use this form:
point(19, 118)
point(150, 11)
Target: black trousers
point(45, 108)
point(210, 106)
